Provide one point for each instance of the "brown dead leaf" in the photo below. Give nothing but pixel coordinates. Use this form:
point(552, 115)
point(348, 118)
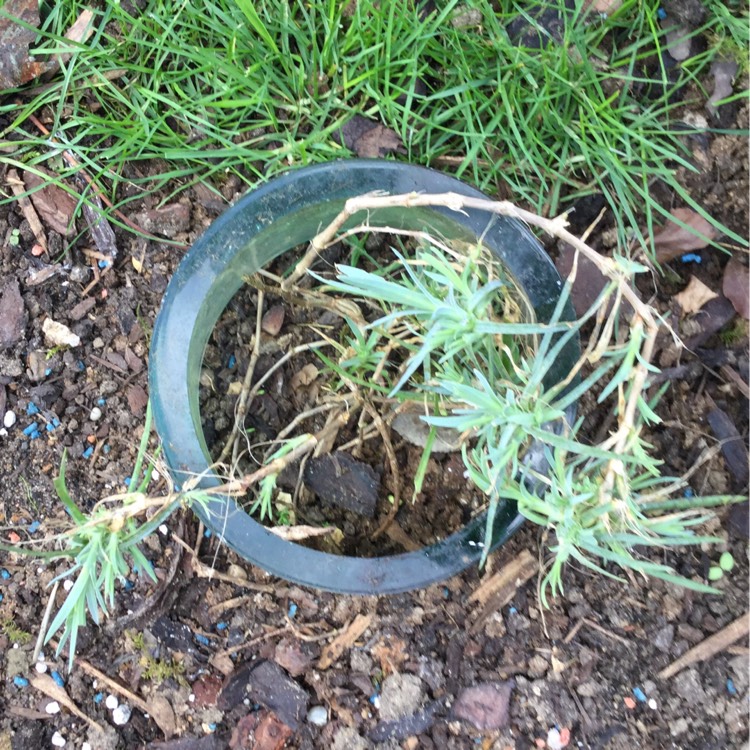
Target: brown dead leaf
point(369, 139)
point(343, 641)
point(391, 653)
point(45, 684)
point(496, 591)
point(161, 711)
point(304, 377)
point(736, 286)
point(52, 203)
point(273, 320)
point(137, 399)
point(673, 240)
point(301, 532)
point(694, 296)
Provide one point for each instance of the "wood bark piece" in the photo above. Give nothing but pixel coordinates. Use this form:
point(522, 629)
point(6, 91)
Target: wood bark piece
point(710, 647)
point(45, 684)
point(495, 592)
point(345, 640)
point(17, 186)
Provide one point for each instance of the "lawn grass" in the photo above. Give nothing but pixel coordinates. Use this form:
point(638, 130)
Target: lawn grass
point(190, 91)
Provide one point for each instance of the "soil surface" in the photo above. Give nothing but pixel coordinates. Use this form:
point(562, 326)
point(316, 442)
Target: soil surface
point(240, 659)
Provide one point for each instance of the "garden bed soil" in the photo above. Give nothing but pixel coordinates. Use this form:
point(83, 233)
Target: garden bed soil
point(457, 665)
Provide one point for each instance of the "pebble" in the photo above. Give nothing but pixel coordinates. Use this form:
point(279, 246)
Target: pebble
point(58, 740)
point(10, 418)
point(79, 274)
point(95, 414)
point(318, 715)
point(40, 667)
point(53, 707)
point(58, 334)
point(68, 584)
point(678, 43)
point(111, 703)
point(237, 571)
point(121, 715)
point(86, 746)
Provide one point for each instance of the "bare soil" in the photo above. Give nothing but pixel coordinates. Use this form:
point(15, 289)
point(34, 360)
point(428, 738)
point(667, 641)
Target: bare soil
point(588, 667)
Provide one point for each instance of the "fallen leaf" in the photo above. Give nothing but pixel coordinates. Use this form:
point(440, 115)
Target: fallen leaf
point(673, 240)
point(391, 653)
point(304, 377)
point(54, 205)
point(344, 641)
point(293, 655)
point(45, 684)
point(273, 320)
point(161, 711)
point(589, 281)
point(137, 399)
point(736, 286)
point(486, 705)
point(369, 139)
point(694, 296)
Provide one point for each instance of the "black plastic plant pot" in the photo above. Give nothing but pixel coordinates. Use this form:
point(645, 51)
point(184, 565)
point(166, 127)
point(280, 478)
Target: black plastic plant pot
point(283, 214)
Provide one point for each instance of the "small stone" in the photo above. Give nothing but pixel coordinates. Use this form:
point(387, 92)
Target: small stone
point(688, 685)
point(9, 419)
point(273, 320)
point(318, 715)
point(68, 584)
point(57, 334)
point(401, 696)
point(53, 707)
point(664, 638)
point(111, 703)
point(485, 705)
point(678, 43)
point(79, 274)
point(237, 571)
point(58, 740)
point(121, 715)
point(96, 414)
point(678, 727)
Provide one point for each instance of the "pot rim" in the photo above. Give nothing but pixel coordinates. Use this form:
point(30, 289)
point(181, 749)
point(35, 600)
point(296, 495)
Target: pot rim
point(208, 277)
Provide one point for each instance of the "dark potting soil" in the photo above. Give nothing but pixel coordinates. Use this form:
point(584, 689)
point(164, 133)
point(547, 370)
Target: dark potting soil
point(351, 486)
